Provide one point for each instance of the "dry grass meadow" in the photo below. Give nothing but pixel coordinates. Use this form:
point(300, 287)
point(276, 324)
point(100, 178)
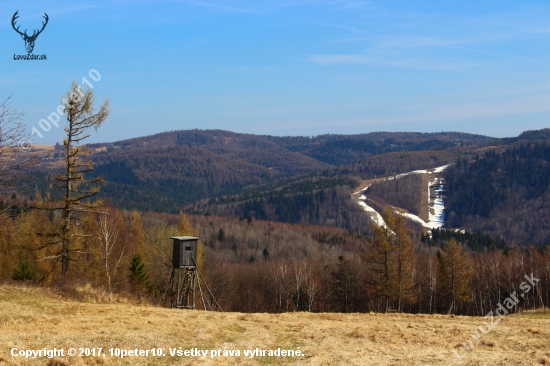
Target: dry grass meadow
point(33, 318)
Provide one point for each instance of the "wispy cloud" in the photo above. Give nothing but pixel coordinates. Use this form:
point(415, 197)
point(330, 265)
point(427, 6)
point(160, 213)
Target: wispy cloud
point(72, 9)
point(223, 6)
point(218, 6)
point(441, 116)
point(474, 110)
point(342, 59)
point(410, 62)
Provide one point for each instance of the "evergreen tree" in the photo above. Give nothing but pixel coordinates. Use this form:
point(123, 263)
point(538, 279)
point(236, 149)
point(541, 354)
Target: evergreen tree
point(139, 278)
point(24, 271)
point(221, 236)
point(345, 286)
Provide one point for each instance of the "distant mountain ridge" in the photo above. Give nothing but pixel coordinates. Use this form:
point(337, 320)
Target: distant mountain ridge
point(329, 149)
point(501, 190)
point(166, 171)
point(348, 149)
point(304, 180)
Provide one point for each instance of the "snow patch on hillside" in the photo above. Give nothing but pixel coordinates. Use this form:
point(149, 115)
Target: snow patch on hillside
point(436, 205)
point(374, 215)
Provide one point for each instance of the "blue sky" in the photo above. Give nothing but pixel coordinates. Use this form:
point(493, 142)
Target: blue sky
point(286, 67)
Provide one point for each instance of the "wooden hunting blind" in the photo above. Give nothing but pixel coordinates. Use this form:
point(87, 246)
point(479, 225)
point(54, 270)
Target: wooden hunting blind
point(186, 276)
point(184, 254)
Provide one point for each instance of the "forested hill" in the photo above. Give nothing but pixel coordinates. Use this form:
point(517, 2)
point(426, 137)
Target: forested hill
point(500, 190)
point(347, 149)
point(228, 146)
point(293, 179)
point(503, 193)
point(531, 135)
point(165, 172)
point(297, 154)
point(322, 198)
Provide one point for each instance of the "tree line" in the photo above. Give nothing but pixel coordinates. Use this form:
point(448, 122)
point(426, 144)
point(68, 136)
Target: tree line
point(260, 266)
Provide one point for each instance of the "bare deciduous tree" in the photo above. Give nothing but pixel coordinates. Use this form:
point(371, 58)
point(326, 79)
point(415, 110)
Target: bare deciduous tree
point(110, 232)
point(299, 278)
point(12, 159)
point(312, 289)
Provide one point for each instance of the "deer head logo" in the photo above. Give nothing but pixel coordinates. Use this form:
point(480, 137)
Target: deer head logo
point(29, 40)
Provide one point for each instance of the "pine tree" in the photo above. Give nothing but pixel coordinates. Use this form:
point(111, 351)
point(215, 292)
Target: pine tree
point(265, 253)
point(221, 236)
point(455, 271)
point(24, 271)
point(139, 278)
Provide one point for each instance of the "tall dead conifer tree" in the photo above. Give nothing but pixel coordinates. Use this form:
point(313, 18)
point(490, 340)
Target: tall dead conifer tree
point(76, 189)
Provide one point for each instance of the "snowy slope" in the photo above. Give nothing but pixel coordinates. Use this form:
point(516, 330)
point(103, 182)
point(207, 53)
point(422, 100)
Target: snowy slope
point(436, 205)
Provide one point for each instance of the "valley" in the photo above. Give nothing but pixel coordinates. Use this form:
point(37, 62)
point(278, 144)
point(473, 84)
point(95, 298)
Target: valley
point(287, 179)
point(431, 211)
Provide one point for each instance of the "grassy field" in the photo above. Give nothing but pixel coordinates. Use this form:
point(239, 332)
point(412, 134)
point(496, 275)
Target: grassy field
point(33, 318)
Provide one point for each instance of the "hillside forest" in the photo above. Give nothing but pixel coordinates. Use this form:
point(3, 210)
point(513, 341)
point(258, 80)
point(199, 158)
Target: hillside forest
point(279, 228)
point(261, 266)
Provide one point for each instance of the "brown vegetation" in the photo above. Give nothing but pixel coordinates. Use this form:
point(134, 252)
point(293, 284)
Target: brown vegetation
point(35, 318)
point(258, 266)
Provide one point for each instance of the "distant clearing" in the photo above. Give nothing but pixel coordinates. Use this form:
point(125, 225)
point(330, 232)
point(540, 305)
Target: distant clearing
point(32, 318)
point(43, 147)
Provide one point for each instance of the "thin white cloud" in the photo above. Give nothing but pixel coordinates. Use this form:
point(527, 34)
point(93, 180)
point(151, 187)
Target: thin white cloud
point(72, 9)
point(342, 59)
point(400, 62)
point(218, 6)
point(340, 26)
point(421, 116)
point(464, 112)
